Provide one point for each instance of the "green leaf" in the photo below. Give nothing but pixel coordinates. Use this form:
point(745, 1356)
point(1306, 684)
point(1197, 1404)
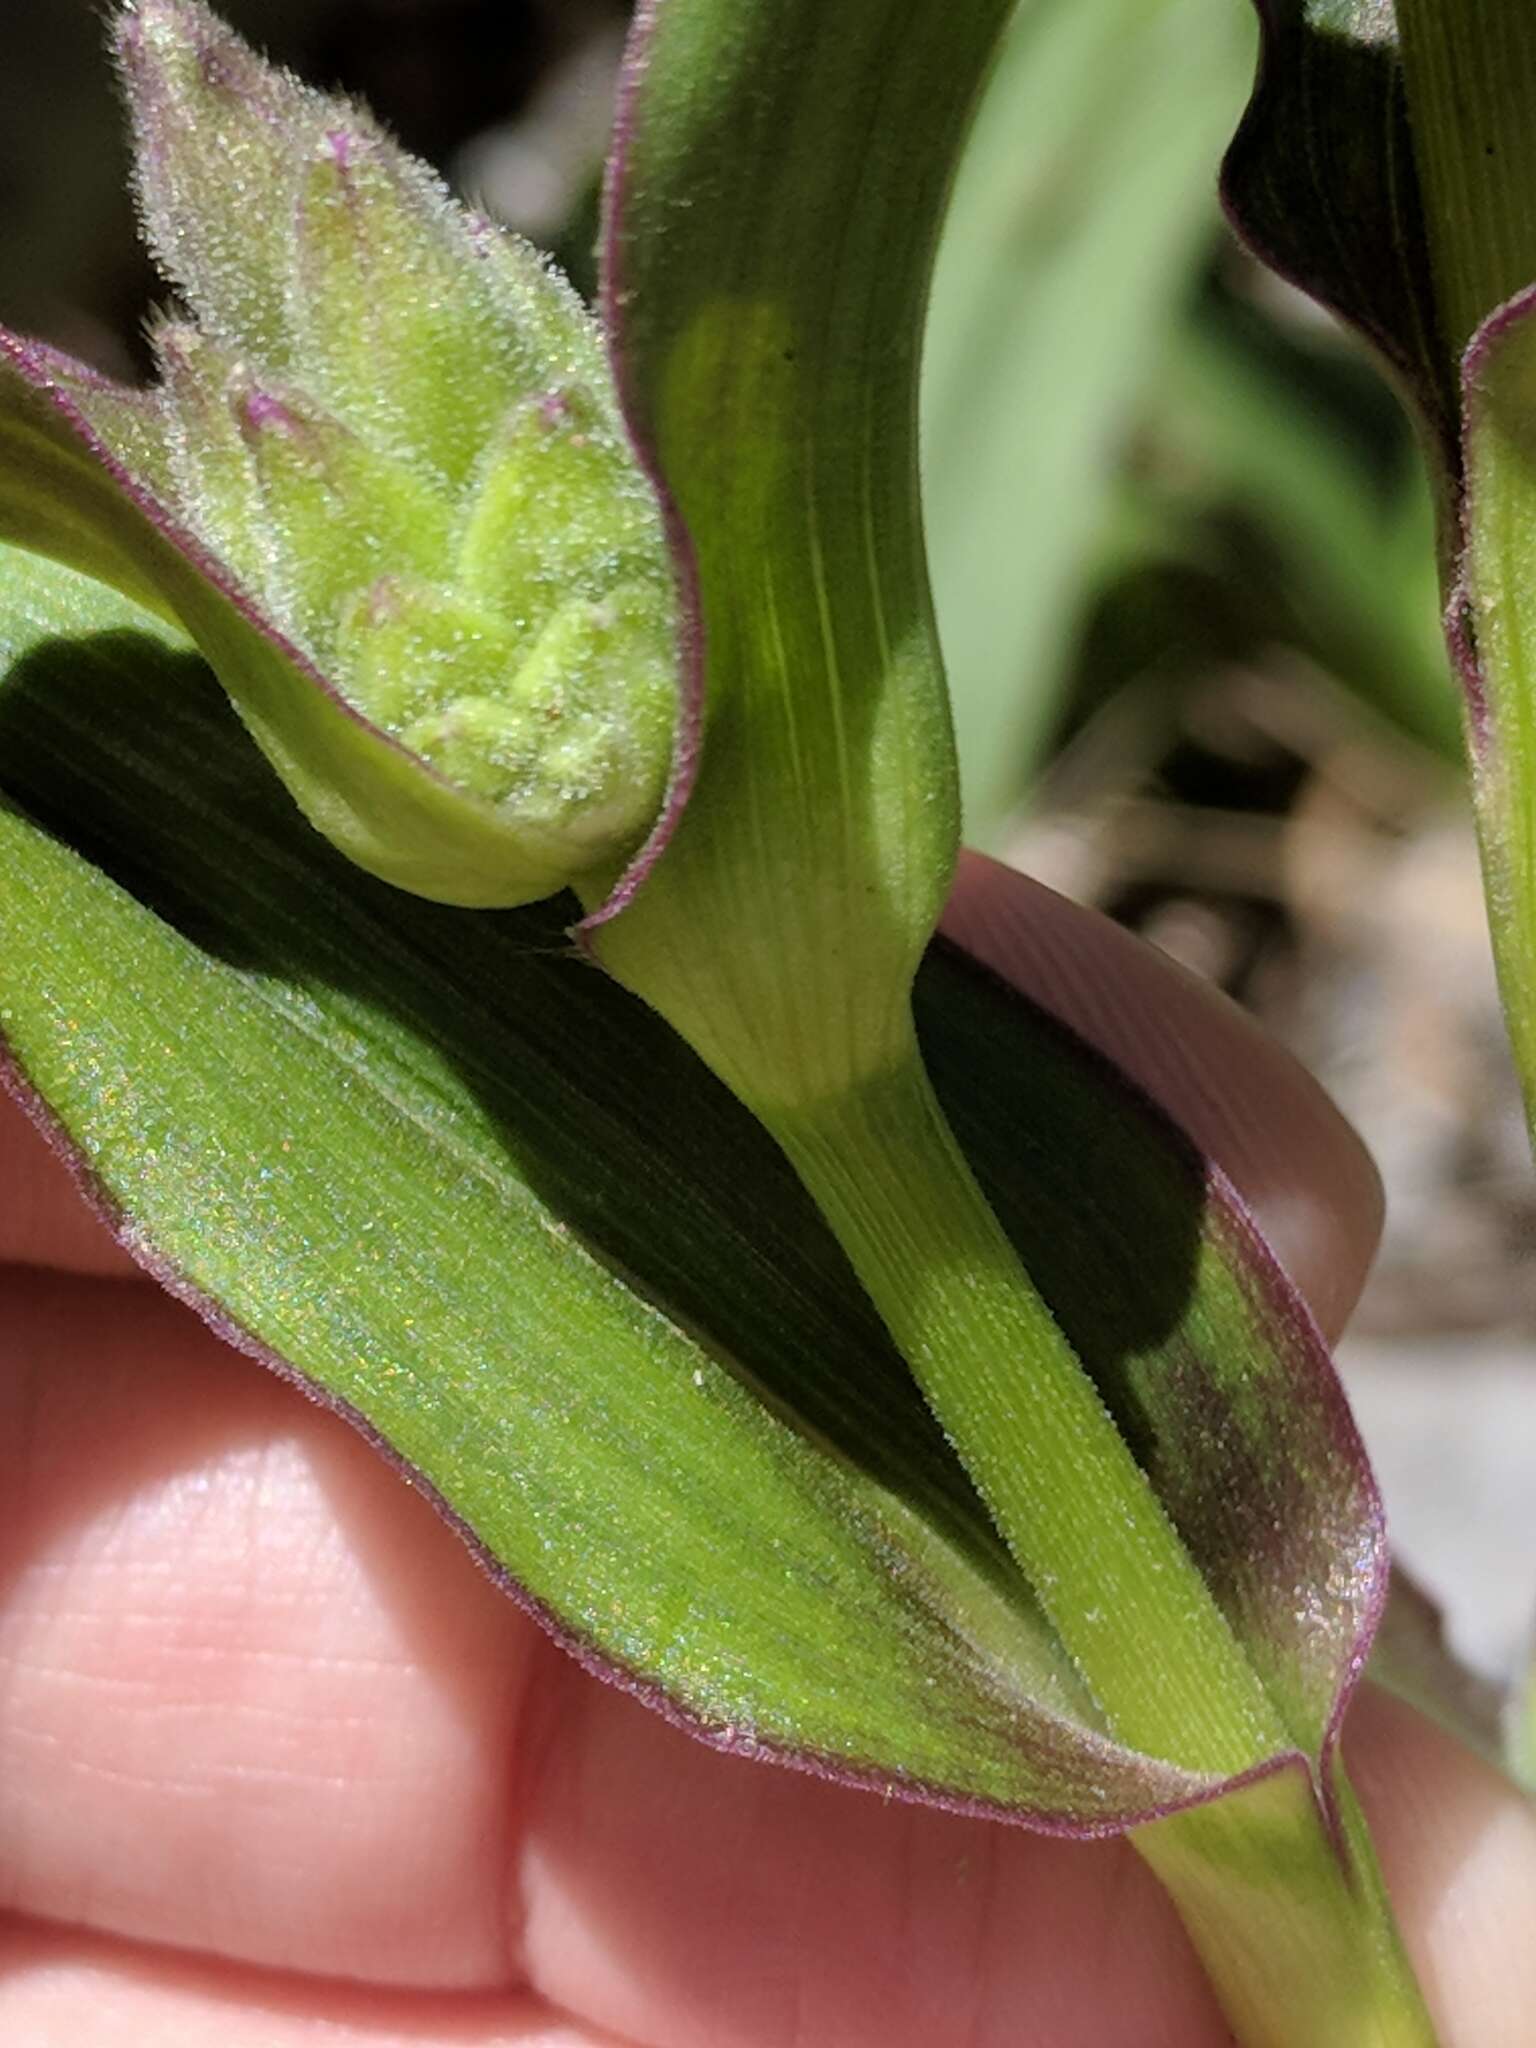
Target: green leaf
point(773, 210)
point(483, 1201)
point(1083, 207)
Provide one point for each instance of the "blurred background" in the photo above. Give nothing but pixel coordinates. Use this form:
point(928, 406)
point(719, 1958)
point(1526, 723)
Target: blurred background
point(1183, 566)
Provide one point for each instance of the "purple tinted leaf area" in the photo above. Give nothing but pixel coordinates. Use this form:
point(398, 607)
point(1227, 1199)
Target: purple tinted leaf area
point(142, 547)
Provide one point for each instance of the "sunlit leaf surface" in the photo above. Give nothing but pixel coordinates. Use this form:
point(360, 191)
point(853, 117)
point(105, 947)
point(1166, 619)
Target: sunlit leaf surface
point(459, 1184)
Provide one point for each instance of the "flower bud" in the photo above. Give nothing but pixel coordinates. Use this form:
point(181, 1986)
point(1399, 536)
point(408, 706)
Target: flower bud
point(387, 435)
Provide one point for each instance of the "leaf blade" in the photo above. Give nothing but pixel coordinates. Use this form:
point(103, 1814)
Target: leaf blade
point(342, 1108)
point(1082, 210)
point(766, 257)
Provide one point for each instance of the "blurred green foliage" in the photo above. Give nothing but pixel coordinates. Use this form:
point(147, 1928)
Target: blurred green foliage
point(1143, 456)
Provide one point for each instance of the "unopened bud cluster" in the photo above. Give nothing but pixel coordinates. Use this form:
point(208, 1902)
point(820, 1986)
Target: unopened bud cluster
point(395, 428)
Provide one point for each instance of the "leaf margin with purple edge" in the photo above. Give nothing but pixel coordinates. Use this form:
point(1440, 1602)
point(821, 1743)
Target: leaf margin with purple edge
point(230, 1329)
point(230, 1323)
point(394, 812)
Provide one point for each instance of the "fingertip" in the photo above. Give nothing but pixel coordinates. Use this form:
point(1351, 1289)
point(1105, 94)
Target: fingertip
point(257, 1699)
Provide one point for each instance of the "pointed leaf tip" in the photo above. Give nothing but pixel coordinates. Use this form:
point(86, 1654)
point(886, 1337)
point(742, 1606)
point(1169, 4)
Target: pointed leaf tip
point(214, 134)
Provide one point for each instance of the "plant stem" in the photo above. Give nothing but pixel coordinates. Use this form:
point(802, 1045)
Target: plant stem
point(1471, 80)
point(1290, 1917)
point(1075, 1509)
point(1286, 1911)
point(1470, 75)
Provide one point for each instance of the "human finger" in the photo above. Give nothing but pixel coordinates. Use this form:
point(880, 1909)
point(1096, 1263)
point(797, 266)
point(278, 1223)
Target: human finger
point(65, 1986)
point(46, 1215)
point(258, 1701)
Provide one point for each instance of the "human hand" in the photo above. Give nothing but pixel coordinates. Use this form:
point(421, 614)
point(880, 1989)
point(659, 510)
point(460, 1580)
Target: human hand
point(279, 1766)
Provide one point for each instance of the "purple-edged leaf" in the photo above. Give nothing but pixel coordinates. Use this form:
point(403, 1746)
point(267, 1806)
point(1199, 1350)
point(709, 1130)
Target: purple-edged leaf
point(775, 192)
point(1322, 181)
point(489, 1206)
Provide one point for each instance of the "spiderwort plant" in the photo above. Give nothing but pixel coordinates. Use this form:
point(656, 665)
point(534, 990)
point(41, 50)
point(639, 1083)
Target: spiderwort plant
point(1118, 1566)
